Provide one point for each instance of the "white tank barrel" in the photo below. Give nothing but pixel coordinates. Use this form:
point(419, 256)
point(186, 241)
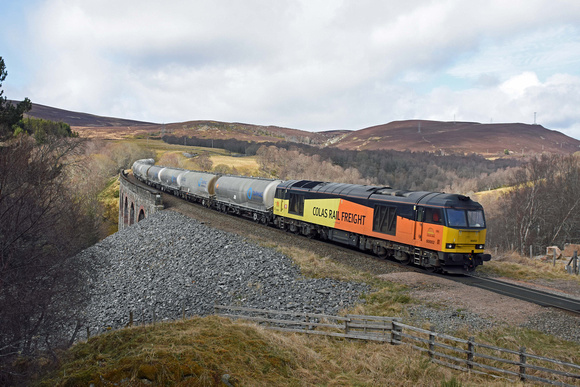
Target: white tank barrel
point(168, 176)
point(153, 173)
point(247, 192)
point(197, 183)
point(140, 167)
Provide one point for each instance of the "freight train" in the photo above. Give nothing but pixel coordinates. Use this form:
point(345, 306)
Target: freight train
point(437, 231)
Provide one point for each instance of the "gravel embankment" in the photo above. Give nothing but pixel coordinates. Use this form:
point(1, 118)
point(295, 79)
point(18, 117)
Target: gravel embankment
point(169, 264)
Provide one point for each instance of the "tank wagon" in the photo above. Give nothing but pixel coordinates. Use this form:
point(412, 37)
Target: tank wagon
point(253, 196)
point(437, 231)
point(197, 186)
point(140, 168)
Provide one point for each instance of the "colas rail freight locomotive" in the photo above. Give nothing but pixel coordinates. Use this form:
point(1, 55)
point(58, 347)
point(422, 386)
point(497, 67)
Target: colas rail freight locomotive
point(437, 231)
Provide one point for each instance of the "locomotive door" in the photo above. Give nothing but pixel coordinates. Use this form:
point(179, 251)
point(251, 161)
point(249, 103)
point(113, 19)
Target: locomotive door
point(419, 219)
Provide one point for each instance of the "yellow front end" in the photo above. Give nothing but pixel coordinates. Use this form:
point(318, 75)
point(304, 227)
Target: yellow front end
point(463, 241)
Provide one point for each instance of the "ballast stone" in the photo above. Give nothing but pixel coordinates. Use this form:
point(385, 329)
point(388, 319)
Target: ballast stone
point(169, 264)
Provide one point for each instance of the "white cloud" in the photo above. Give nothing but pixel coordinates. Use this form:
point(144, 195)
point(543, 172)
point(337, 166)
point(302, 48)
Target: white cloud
point(307, 64)
point(516, 86)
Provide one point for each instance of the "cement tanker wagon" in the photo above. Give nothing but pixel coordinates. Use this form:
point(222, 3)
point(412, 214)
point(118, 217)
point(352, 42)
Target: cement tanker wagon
point(246, 195)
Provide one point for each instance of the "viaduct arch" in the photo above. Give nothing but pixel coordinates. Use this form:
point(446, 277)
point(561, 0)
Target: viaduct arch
point(136, 202)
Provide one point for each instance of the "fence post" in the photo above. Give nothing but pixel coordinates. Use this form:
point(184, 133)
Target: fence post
point(575, 262)
point(523, 364)
point(554, 260)
point(470, 352)
point(88, 332)
point(431, 344)
point(395, 333)
point(346, 326)
point(130, 318)
point(531, 252)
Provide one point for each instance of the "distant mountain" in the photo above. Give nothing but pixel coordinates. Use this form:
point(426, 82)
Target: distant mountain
point(460, 137)
point(413, 135)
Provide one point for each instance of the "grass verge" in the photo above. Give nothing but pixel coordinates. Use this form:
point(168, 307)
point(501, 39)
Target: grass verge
point(201, 351)
point(514, 266)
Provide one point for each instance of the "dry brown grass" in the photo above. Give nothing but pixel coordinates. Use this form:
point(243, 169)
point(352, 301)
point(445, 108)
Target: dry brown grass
point(199, 351)
point(247, 166)
point(314, 266)
point(513, 265)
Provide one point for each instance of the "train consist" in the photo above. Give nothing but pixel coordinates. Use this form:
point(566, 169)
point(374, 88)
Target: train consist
point(437, 231)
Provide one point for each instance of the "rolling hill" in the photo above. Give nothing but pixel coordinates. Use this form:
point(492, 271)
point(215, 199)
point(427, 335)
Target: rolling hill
point(412, 135)
point(460, 137)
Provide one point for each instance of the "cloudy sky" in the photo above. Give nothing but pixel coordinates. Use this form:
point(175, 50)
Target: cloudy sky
point(306, 64)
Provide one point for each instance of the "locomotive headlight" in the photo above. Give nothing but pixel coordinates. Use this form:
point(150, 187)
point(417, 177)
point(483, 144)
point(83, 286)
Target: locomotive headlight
point(450, 246)
point(479, 247)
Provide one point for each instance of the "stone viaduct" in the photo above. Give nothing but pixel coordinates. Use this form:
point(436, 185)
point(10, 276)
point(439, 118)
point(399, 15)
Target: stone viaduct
point(136, 202)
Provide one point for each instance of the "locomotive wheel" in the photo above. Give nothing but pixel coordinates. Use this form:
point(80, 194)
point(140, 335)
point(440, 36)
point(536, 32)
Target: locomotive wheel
point(255, 217)
point(382, 252)
point(403, 257)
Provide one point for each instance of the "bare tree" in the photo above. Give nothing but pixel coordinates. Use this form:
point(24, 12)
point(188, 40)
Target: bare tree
point(542, 207)
point(42, 227)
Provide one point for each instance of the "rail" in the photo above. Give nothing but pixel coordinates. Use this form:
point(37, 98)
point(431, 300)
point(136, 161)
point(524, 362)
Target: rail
point(460, 354)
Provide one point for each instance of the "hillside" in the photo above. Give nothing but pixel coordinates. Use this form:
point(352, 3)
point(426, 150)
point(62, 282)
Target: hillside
point(412, 135)
point(76, 119)
point(246, 132)
point(460, 137)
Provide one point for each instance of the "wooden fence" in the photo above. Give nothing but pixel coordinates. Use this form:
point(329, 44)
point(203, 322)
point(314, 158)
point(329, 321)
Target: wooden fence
point(453, 352)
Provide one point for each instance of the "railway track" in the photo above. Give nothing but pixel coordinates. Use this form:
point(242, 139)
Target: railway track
point(521, 292)
point(357, 259)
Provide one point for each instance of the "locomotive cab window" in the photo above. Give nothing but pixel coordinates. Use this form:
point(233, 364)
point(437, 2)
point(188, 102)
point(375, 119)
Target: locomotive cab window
point(433, 215)
point(385, 219)
point(296, 205)
point(465, 218)
point(279, 193)
point(475, 218)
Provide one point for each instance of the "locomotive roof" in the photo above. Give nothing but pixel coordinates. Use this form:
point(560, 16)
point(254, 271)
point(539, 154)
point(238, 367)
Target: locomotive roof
point(378, 193)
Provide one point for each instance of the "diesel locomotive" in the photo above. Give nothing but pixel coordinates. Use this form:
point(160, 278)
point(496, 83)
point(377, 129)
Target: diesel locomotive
point(437, 231)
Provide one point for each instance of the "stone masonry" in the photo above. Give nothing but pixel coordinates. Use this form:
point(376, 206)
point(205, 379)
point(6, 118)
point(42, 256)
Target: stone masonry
point(135, 202)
